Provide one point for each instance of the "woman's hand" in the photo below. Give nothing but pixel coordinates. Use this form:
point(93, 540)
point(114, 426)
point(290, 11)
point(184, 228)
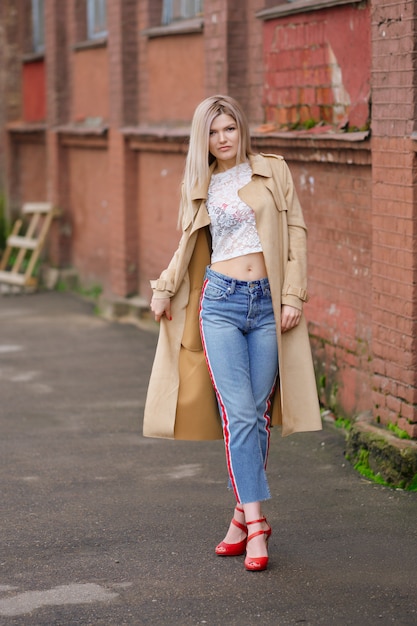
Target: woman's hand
point(290, 317)
point(160, 307)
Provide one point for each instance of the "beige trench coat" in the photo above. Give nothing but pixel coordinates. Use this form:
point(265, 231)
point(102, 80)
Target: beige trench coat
point(180, 402)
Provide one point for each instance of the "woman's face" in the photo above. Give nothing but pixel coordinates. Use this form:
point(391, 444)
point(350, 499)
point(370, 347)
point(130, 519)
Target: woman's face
point(224, 141)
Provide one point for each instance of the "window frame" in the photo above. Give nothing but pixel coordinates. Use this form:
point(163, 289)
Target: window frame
point(178, 10)
point(38, 26)
point(291, 7)
point(92, 14)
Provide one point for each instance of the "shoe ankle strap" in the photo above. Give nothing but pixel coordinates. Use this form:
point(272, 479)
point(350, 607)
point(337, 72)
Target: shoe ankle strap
point(257, 521)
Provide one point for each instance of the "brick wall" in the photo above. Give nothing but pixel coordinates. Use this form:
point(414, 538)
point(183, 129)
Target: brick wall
point(252, 91)
point(340, 306)
point(89, 211)
point(312, 62)
point(215, 42)
point(10, 100)
point(394, 176)
point(313, 65)
point(158, 197)
point(90, 93)
point(176, 64)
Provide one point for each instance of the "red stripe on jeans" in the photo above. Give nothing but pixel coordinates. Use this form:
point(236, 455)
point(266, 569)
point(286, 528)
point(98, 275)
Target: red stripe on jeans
point(225, 421)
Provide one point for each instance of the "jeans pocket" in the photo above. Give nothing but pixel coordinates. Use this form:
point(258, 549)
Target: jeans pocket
point(216, 292)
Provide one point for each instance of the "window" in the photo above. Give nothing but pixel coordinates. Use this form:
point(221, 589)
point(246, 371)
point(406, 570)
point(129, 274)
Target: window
point(173, 10)
point(96, 19)
point(38, 33)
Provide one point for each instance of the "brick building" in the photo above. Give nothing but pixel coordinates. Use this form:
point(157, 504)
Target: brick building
point(96, 101)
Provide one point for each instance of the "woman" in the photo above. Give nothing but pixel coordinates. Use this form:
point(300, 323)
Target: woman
point(238, 279)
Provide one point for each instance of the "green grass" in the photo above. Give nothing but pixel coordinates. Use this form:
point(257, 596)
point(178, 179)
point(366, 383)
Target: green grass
point(413, 485)
point(362, 466)
point(398, 432)
point(25, 262)
point(344, 423)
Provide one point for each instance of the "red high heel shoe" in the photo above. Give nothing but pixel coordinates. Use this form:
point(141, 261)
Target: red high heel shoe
point(258, 563)
point(234, 549)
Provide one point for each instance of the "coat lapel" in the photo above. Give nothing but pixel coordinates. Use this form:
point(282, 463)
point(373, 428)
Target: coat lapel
point(262, 178)
point(200, 217)
point(253, 194)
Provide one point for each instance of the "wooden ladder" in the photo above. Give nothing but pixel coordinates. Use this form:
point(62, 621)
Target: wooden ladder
point(22, 251)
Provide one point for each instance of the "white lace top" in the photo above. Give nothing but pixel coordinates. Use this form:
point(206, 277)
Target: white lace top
point(233, 227)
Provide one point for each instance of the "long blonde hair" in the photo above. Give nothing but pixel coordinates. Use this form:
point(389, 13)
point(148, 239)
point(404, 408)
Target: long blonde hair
point(199, 158)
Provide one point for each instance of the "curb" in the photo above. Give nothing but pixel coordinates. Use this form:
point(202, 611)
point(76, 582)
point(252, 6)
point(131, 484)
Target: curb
point(134, 310)
point(392, 459)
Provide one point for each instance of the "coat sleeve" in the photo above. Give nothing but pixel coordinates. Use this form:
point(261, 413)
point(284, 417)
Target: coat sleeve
point(294, 290)
point(168, 282)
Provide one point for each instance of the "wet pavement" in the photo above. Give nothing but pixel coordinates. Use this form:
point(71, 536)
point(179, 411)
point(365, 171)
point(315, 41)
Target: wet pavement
point(100, 526)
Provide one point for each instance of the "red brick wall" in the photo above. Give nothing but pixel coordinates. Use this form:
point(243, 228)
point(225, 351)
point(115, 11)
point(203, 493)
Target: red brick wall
point(215, 46)
point(234, 54)
point(158, 199)
point(317, 67)
point(88, 216)
point(176, 65)
point(90, 95)
point(122, 50)
point(30, 183)
point(119, 188)
point(337, 205)
point(394, 218)
point(10, 78)
point(253, 88)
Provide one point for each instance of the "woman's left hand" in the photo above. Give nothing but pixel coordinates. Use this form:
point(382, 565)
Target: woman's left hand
point(290, 317)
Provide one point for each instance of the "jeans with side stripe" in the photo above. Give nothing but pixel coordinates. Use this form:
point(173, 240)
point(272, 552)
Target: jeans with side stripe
point(238, 332)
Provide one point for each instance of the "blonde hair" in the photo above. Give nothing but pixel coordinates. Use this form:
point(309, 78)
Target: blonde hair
point(199, 158)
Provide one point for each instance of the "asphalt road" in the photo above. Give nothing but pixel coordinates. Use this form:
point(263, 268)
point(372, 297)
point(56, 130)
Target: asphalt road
point(102, 527)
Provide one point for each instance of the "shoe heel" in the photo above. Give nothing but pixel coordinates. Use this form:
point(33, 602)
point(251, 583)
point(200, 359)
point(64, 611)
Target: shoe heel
point(259, 563)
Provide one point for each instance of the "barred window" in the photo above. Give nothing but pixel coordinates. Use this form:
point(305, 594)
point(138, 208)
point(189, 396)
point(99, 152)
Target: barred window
point(173, 10)
point(96, 19)
point(38, 32)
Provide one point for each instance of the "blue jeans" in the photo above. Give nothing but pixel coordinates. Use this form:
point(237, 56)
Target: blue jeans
point(238, 332)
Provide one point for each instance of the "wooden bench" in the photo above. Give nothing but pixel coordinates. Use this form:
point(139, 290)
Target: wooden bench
point(22, 251)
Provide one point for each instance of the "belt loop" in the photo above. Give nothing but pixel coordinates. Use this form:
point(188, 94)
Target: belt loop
point(232, 286)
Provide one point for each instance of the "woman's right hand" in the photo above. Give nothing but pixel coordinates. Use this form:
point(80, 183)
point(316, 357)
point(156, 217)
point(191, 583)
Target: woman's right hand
point(160, 307)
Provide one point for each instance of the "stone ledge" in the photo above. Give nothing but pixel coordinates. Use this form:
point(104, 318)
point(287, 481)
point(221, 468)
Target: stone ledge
point(393, 459)
point(129, 310)
point(302, 6)
point(134, 310)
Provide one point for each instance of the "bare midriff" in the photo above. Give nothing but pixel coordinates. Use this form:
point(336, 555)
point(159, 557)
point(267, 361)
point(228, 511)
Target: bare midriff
point(247, 267)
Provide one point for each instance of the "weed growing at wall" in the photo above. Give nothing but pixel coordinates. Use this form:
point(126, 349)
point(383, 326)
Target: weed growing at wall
point(344, 423)
point(398, 432)
point(362, 466)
